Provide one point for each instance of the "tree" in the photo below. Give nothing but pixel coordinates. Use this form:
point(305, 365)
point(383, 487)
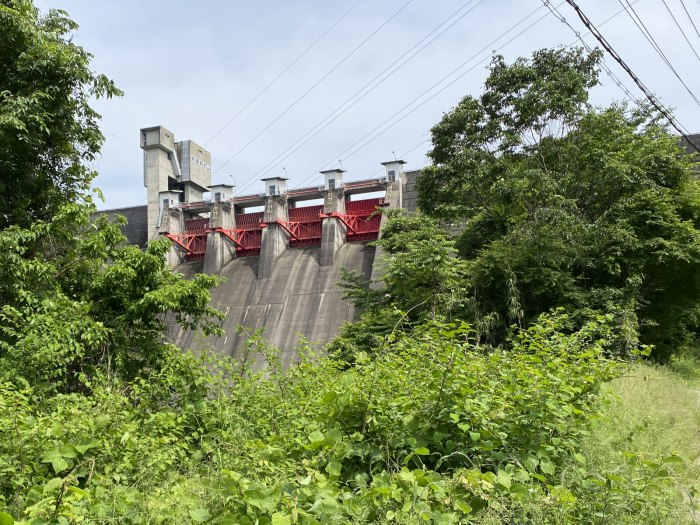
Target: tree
point(421, 279)
point(567, 205)
point(48, 131)
point(76, 306)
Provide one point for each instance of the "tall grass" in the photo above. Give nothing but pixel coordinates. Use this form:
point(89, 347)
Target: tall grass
point(653, 413)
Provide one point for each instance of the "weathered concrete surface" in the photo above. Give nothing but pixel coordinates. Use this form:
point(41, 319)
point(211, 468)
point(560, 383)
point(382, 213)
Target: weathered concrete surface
point(300, 297)
point(136, 229)
point(333, 237)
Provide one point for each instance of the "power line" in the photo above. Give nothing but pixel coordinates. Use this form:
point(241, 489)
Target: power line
point(555, 11)
point(358, 95)
point(571, 44)
point(690, 18)
point(279, 75)
point(451, 73)
point(319, 81)
point(681, 29)
point(647, 34)
point(650, 96)
point(456, 79)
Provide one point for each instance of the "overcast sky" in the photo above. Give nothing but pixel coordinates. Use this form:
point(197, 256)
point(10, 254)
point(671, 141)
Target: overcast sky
point(194, 66)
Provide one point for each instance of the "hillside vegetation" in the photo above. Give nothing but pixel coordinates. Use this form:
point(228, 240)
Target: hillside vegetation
point(503, 377)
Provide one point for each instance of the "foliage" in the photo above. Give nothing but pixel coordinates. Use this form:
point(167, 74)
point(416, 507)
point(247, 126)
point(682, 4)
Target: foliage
point(432, 430)
point(106, 422)
point(48, 131)
point(77, 304)
point(652, 418)
point(421, 278)
point(568, 205)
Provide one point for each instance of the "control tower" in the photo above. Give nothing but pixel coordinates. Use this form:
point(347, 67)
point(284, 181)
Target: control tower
point(172, 169)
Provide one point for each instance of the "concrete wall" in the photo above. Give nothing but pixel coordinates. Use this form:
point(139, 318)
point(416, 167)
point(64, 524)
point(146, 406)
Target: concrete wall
point(686, 143)
point(410, 195)
point(300, 297)
point(136, 231)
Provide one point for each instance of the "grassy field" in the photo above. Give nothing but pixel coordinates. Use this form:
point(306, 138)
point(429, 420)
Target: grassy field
point(651, 423)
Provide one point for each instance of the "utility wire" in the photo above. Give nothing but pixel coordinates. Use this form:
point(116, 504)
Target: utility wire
point(279, 75)
point(647, 34)
point(603, 65)
point(690, 18)
point(350, 152)
point(614, 15)
point(681, 29)
point(359, 95)
point(453, 81)
point(571, 44)
point(444, 78)
point(319, 81)
point(650, 96)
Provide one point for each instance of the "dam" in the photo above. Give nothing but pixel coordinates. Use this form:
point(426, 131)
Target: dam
point(281, 251)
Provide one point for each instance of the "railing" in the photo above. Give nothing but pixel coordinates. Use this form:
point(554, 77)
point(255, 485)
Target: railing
point(362, 218)
point(247, 235)
point(304, 226)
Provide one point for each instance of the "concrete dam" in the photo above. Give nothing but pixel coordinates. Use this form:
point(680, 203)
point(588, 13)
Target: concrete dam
point(280, 251)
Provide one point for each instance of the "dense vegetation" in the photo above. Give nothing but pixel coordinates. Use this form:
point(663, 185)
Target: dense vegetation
point(468, 391)
point(567, 205)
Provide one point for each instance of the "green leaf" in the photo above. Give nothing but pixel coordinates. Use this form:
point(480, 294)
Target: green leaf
point(86, 445)
point(422, 451)
point(199, 515)
point(281, 519)
point(59, 465)
point(6, 519)
point(503, 479)
point(52, 485)
point(333, 468)
point(547, 467)
point(672, 459)
point(79, 492)
point(521, 492)
point(316, 437)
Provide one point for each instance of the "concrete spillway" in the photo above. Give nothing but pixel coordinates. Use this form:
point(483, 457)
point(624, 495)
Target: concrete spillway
point(300, 297)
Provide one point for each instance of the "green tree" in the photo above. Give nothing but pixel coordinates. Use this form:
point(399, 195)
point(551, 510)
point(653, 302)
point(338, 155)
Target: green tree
point(78, 305)
point(421, 278)
point(568, 205)
point(48, 131)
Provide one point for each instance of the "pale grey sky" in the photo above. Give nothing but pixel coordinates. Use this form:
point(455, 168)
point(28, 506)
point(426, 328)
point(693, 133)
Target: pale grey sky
point(192, 66)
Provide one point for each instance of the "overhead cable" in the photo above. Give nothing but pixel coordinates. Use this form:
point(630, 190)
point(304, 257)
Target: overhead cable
point(690, 18)
point(370, 86)
point(319, 81)
point(450, 74)
point(650, 38)
point(650, 96)
point(555, 11)
point(281, 73)
point(681, 29)
point(361, 143)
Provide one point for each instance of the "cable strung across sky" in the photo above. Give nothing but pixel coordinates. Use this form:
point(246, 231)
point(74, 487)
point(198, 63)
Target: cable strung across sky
point(281, 73)
point(359, 95)
point(318, 82)
point(652, 98)
point(649, 37)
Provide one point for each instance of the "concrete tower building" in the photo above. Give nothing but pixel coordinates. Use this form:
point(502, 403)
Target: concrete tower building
point(172, 167)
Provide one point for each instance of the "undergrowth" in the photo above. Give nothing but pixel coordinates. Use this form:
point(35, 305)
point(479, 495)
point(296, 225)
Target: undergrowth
point(432, 429)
